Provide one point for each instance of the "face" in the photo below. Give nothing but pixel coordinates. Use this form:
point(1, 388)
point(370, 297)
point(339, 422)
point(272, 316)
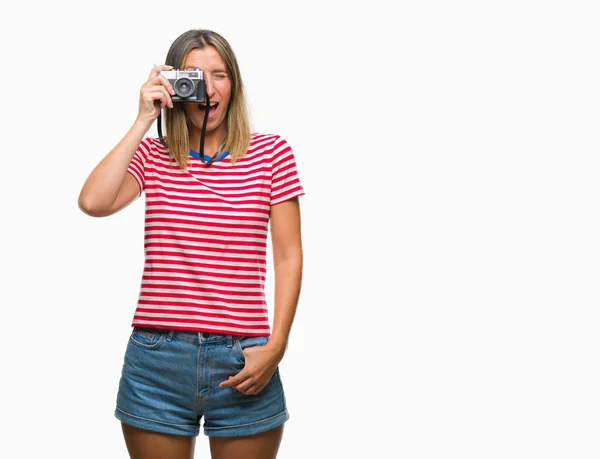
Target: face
point(218, 88)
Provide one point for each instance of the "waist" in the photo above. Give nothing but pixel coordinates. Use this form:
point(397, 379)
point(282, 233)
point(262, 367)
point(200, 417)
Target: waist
point(192, 335)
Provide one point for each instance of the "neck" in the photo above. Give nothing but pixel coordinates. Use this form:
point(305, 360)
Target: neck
point(212, 141)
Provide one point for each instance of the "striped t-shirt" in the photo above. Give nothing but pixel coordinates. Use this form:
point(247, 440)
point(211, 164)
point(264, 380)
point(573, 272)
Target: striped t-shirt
point(205, 239)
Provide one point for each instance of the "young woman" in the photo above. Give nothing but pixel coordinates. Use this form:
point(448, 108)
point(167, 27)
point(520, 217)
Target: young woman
point(201, 344)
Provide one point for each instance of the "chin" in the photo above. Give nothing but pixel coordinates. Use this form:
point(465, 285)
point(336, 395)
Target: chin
point(212, 125)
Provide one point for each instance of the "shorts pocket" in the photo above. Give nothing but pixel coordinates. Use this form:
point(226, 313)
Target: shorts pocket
point(243, 342)
point(148, 338)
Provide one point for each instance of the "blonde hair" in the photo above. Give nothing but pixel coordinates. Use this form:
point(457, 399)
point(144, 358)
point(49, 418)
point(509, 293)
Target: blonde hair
point(178, 125)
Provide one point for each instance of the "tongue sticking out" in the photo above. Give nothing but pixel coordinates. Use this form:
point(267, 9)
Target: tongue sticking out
point(202, 108)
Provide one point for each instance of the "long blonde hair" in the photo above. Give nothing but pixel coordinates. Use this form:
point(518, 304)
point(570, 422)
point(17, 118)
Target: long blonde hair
point(177, 123)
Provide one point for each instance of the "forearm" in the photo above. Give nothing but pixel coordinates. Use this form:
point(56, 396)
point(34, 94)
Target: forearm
point(288, 280)
point(102, 186)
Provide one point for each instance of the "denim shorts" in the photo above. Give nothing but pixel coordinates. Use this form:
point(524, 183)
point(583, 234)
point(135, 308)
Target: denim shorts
point(170, 380)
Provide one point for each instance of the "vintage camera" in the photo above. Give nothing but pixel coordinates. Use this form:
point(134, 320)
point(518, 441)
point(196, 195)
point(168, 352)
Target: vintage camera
point(189, 85)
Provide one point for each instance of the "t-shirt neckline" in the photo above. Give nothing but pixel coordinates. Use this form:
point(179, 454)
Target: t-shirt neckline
point(195, 154)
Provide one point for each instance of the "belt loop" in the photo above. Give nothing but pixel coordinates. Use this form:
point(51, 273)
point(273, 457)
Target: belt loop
point(170, 337)
point(229, 340)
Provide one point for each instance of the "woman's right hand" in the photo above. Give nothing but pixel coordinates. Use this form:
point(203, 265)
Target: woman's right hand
point(155, 95)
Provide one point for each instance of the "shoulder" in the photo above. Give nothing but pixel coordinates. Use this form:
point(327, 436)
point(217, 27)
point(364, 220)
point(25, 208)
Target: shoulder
point(154, 143)
point(271, 145)
point(152, 146)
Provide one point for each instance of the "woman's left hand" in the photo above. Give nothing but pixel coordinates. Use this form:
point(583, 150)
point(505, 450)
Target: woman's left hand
point(261, 363)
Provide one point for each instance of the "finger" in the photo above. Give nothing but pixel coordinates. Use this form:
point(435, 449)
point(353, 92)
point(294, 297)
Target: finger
point(160, 81)
point(157, 69)
point(166, 83)
point(168, 100)
point(154, 97)
point(244, 385)
point(151, 97)
point(158, 93)
point(158, 102)
point(253, 389)
point(235, 380)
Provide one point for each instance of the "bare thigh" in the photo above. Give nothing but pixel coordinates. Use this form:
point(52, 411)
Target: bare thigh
point(259, 446)
point(144, 444)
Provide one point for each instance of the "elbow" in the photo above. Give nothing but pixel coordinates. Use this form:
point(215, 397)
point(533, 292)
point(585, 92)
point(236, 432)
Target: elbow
point(89, 207)
point(291, 257)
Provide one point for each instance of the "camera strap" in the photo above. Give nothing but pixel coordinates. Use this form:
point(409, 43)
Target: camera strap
point(202, 134)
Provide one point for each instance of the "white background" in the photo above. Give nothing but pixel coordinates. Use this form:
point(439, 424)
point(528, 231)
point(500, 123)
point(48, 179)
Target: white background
point(449, 154)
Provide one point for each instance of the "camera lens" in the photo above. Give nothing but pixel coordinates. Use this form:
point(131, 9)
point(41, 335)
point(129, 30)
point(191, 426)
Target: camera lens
point(183, 87)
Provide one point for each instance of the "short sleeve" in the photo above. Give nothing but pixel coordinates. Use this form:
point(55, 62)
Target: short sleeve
point(285, 181)
point(137, 165)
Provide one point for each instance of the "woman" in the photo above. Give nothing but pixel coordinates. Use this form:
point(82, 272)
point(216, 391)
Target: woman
point(201, 344)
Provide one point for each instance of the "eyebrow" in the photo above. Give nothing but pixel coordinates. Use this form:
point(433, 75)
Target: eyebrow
point(190, 67)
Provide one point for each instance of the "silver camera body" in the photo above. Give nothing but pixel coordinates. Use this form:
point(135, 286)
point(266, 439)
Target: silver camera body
point(189, 85)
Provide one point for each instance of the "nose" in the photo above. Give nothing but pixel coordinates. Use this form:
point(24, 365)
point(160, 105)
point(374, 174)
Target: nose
point(210, 88)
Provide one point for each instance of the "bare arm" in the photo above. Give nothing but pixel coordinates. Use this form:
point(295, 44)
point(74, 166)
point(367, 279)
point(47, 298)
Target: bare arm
point(287, 257)
point(262, 361)
point(110, 187)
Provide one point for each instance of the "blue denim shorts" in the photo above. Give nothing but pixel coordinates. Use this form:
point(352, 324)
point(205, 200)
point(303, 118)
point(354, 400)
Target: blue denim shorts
point(170, 380)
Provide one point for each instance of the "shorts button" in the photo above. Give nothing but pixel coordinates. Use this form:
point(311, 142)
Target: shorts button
point(206, 334)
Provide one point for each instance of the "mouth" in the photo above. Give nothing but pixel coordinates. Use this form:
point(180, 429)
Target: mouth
point(211, 110)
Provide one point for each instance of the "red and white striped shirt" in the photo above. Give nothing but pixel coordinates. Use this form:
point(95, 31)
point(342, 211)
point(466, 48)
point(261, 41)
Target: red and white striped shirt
point(206, 236)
